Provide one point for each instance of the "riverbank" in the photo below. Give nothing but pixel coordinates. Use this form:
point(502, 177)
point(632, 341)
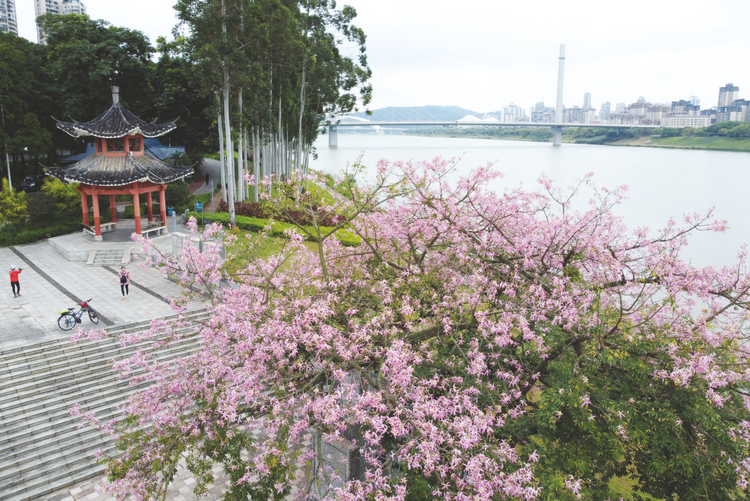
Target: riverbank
point(679, 142)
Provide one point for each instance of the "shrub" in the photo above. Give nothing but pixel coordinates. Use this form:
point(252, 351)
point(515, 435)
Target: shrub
point(258, 210)
point(13, 206)
point(257, 225)
point(177, 195)
point(66, 196)
point(41, 207)
point(129, 212)
point(19, 234)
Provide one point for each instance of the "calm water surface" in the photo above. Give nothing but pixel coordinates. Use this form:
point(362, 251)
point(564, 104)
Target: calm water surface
point(662, 183)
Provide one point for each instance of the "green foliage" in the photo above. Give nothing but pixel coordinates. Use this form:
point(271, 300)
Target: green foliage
point(704, 143)
point(742, 130)
point(86, 57)
point(23, 98)
point(177, 195)
point(276, 228)
point(13, 206)
point(41, 207)
point(20, 234)
point(129, 211)
point(65, 196)
point(672, 432)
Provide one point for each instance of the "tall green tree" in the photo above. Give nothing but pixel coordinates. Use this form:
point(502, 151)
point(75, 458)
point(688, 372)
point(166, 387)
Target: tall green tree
point(87, 57)
point(177, 97)
point(21, 133)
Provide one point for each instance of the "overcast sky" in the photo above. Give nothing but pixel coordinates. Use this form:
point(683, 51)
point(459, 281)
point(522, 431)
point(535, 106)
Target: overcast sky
point(483, 54)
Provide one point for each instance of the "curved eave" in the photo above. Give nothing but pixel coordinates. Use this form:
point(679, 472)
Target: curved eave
point(79, 132)
point(120, 171)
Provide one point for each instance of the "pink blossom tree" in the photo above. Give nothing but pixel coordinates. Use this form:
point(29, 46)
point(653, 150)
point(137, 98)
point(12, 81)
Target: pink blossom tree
point(476, 346)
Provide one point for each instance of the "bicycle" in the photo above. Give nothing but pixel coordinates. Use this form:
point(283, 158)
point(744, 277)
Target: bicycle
point(69, 318)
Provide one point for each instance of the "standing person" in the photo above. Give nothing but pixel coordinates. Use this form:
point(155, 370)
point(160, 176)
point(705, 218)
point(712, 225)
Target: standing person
point(14, 283)
point(124, 277)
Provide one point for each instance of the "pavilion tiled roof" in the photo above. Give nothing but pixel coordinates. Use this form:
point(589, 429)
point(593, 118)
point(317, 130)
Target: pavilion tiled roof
point(100, 170)
point(115, 122)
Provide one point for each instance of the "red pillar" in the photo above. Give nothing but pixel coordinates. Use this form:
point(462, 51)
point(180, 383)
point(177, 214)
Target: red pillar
point(97, 222)
point(162, 206)
point(137, 211)
point(85, 207)
point(112, 208)
point(149, 207)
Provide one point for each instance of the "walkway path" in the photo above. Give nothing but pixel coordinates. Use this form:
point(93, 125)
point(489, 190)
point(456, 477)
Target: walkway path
point(50, 283)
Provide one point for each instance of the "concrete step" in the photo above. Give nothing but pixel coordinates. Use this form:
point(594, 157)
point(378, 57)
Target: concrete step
point(105, 257)
point(58, 348)
point(48, 476)
point(60, 399)
point(63, 399)
point(43, 448)
point(22, 377)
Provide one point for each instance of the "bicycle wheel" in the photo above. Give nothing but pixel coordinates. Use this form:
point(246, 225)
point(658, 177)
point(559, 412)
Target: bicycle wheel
point(66, 321)
point(93, 316)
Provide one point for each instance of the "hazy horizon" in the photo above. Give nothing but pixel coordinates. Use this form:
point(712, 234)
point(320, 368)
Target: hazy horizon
point(482, 55)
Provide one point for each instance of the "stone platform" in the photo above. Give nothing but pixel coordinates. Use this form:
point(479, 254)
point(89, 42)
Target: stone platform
point(78, 247)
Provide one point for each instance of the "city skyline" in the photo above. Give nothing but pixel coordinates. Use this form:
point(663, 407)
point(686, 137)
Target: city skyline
point(428, 55)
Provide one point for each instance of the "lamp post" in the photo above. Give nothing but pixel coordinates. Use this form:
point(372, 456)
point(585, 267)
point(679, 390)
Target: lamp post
point(5, 146)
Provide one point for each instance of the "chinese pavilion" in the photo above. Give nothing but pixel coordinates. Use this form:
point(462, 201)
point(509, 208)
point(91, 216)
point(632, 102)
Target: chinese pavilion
point(120, 165)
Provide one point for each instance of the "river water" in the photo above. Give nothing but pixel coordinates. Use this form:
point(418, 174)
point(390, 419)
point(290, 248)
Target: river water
point(662, 183)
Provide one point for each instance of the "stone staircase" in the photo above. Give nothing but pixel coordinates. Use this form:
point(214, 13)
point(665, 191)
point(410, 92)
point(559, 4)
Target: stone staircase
point(108, 257)
point(42, 449)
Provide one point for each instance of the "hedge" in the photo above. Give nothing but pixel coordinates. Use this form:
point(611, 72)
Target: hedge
point(277, 230)
point(18, 235)
point(129, 213)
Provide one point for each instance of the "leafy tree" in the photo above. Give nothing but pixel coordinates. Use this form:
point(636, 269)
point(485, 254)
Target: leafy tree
point(178, 97)
point(13, 205)
point(177, 195)
point(689, 131)
point(87, 57)
point(21, 133)
point(66, 196)
point(742, 130)
point(476, 345)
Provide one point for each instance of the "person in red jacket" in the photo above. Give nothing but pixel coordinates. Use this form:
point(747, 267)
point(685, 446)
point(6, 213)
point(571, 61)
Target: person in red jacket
point(14, 283)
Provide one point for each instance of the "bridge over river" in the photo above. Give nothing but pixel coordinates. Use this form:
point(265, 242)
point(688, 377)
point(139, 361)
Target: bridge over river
point(333, 140)
point(557, 126)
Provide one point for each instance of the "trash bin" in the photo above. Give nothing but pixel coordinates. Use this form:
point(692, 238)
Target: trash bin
point(170, 211)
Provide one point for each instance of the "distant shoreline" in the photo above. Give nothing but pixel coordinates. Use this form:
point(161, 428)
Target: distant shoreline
point(741, 145)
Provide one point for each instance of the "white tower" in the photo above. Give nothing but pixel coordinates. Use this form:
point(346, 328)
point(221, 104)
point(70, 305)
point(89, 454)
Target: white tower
point(557, 140)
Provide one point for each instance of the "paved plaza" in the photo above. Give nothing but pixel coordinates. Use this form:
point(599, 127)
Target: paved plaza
point(50, 283)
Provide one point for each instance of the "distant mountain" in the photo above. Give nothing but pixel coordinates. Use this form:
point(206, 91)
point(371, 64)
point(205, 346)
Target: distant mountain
point(420, 113)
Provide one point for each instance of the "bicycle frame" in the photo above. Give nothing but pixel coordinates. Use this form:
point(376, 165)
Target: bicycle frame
point(70, 317)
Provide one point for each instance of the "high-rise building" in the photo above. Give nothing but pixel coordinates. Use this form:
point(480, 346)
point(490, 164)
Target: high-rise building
point(695, 101)
point(728, 94)
point(576, 115)
point(641, 99)
point(620, 108)
point(59, 7)
point(8, 20)
point(683, 107)
point(587, 100)
point(605, 111)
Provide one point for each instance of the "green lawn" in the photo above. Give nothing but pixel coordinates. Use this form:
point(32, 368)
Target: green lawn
point(704, 143)
point(256, 245)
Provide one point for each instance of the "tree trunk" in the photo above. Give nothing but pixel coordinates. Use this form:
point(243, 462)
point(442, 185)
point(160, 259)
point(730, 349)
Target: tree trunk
point(222, 160)
point(227, 125)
